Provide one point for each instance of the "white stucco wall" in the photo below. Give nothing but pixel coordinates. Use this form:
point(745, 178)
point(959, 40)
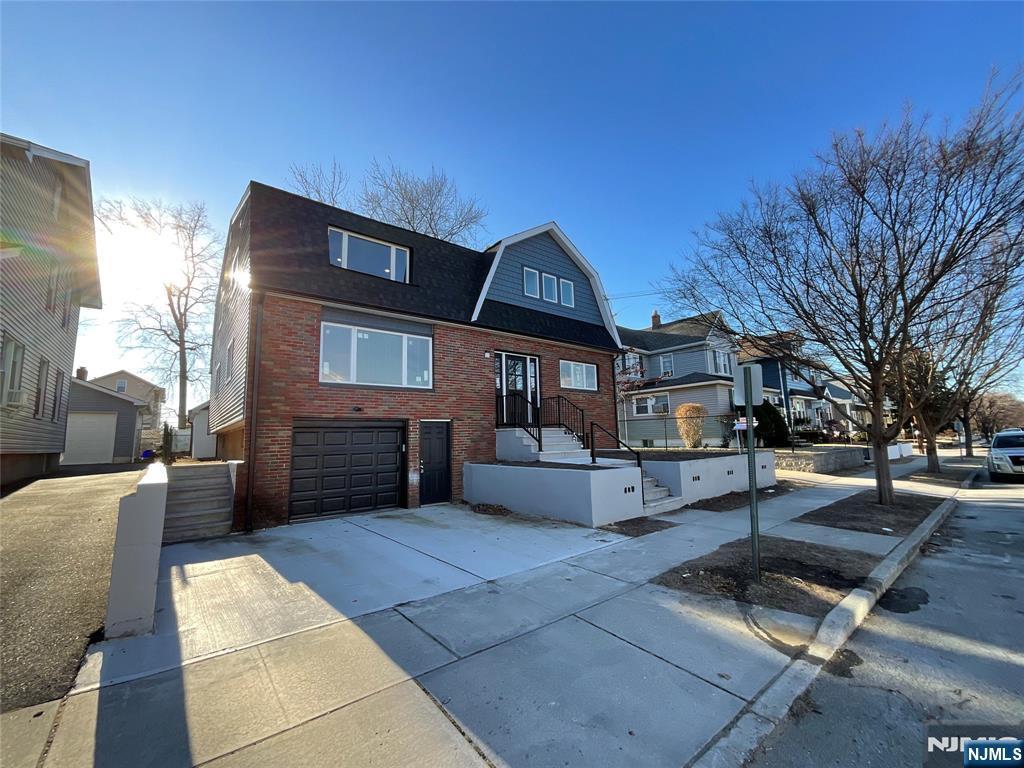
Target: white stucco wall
point(587, 497)
point(707, 478)
point(131, 600)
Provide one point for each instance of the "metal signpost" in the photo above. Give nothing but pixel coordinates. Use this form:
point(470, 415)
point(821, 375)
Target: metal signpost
point(749, 392)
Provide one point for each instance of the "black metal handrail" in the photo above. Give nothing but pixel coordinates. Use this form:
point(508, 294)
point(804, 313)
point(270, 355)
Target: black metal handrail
point(593, 453)
point(514, 410)
point(560, 411)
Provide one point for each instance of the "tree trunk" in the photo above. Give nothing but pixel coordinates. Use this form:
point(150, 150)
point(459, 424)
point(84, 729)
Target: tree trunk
point(967, 434)
point(880, 453)
point(931, 447)
point(883, 473)
point(182, 385)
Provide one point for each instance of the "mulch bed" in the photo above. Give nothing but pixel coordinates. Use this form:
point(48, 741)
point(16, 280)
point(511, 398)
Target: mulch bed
point(493, 510)
point(796, 576)
point(638, 526)
point(861, 512)
point(736, 499)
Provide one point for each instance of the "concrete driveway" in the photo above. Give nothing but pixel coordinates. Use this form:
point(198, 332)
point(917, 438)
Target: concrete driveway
point(223, 594)
point(56, 543)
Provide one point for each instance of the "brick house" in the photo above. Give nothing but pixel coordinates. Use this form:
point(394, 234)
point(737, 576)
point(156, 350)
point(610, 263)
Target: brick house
point(356, 365)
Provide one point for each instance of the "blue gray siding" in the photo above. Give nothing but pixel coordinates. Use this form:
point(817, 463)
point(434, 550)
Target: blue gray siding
point(714, 397)
point(88, 400)
point(684, 362)
point(545, 255)
point(231, 324)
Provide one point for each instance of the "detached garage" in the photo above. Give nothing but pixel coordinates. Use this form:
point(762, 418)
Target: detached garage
point(103, 425)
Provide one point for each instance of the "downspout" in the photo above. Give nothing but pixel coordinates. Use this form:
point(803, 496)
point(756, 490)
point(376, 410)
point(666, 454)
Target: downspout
point(250, 478)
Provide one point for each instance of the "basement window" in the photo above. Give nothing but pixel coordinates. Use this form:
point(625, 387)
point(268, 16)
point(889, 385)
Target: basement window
point(371, 257)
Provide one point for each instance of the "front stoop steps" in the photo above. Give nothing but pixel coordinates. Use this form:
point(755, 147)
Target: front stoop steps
point(200, 501)
point(562, 447)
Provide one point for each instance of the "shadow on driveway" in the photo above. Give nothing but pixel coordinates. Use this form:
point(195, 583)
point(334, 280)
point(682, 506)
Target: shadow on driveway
point(56, 544)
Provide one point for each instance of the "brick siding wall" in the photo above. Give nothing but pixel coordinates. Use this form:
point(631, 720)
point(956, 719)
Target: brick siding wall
point(463, 392)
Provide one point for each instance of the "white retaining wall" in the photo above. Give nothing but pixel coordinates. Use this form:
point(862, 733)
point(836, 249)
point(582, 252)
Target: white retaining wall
point(587, 497)
point(706, 478)
point(131, 600)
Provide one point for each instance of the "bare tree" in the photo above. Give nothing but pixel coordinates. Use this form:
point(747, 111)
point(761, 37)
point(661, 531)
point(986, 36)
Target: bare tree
point(429, 204)
point(326, 184)
point(173, 332)
point(996, 411)
point(859, 257)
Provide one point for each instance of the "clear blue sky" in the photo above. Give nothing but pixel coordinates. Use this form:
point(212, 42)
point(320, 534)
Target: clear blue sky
point(628, 124)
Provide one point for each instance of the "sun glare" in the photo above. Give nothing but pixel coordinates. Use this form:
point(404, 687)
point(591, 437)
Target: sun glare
point(137, 263)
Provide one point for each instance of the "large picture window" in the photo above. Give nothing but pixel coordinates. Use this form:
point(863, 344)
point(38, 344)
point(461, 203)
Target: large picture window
point(353, 355)
point(577, 375)
point(372, 257)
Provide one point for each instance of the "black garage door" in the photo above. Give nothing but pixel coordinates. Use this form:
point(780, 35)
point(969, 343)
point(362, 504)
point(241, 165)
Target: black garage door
point(341, 467)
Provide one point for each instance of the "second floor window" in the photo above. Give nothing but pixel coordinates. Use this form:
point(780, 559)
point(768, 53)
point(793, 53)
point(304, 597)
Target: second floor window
point(58, 396)
point(121, 385)
point(531, 282)
point(549, 288)
point(353, 355)
point(722, 362)
point(372, 257)
point(629, 366)
point(666, 365)
point(231, 360)
point(42, 383)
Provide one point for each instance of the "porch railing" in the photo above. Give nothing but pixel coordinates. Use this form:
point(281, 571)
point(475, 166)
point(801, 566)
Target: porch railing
point(593, 453)
point(514, 410)
point(560, 411)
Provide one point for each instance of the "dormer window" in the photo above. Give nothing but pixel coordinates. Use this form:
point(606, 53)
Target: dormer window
point(531, 282)
point(568, 293)
point(549, 285)
point(372, 257)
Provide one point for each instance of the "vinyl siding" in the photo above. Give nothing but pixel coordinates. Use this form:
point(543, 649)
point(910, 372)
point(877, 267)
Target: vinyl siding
point(231, 323)
point(545, 255)
point(684, 362)
point(85, 399)
point(713, 397)
point(45, 228)
point(23, 290)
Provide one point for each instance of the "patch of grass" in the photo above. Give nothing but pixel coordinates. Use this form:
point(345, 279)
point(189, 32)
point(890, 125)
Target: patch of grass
point(861, 512)
point(796, 576)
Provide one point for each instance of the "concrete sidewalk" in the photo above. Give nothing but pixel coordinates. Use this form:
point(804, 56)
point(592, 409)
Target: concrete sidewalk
point(575, 662)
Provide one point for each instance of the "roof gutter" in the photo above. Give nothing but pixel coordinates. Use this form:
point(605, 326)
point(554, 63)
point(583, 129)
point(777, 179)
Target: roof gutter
point(250, 459)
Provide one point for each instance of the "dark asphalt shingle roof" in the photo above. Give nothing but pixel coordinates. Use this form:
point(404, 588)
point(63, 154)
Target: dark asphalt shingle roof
point(690, 378)
point(289, 253)
point(652, 341)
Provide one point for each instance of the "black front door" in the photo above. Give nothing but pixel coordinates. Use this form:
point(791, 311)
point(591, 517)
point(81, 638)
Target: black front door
point(435, 462)
point(515, 375)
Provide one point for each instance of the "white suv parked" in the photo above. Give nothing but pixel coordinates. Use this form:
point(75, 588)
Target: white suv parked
point(1006, 455)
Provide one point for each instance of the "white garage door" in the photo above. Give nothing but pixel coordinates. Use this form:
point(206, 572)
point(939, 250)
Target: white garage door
point(90, 438)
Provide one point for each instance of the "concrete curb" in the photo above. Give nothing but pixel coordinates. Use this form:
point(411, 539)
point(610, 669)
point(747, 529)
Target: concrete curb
point(764, 714)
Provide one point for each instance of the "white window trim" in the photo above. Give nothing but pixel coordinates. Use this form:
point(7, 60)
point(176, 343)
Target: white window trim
point(352, 358)
point(117, 386)
point(537, 275)
point(554, 299)
point(394, 250)
point(585, 365)
point(562, 282)
point(216, 380)
point(651, 400)
point(12, 396)
point(671, 364)
point(229, 357)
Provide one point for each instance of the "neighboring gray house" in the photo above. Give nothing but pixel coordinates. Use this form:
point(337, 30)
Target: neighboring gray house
point(683, 361)
point(50, 270)
point(104, 426)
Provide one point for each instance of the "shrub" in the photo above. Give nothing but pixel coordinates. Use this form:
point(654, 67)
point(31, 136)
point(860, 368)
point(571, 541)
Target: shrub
point(771, 427)
point(690, 421)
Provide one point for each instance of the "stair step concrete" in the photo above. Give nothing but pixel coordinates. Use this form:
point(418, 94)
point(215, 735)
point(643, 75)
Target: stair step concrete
point(196, 470)
point(203, 517)
point(661, 506)
point(547, 455)
point(213, 491)
point(211, 483)
point(195, 508)
point(196, 532)
point(653, 494)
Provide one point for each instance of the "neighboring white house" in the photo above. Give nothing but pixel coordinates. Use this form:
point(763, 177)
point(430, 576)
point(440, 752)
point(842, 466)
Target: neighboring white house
point(204, 445)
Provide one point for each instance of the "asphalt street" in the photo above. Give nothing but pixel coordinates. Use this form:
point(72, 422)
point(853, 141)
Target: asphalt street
point(945, 643)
